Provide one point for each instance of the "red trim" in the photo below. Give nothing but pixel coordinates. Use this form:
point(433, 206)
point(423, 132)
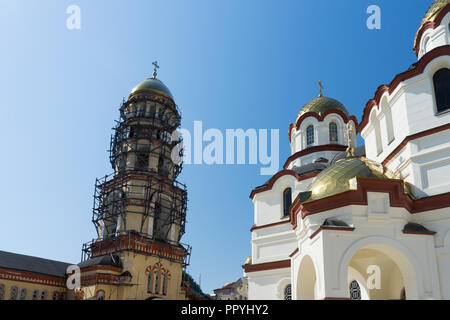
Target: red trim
point(325, 147)
point(104, 268)
point(269, 225)
point(359, 197)
point(293, 253)
point(329, 228)
point(375, 101)
point(23, 276)
point(279, 175)
point(267, 266)
point(414, 137)
point(431, 233)
point(429, 25)
point(321, 117)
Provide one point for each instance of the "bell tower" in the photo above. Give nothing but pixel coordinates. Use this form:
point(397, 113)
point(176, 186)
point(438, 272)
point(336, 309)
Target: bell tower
point(139, 210)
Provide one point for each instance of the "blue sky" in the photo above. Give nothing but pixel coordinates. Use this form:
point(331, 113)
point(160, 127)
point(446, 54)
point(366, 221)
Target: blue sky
point(231, 64)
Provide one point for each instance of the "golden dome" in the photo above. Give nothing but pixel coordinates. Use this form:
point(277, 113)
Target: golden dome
point(152, 84)
point(248, 260)
point(338, 177)
point(431, 14)
point(322, 104)
point(434, 10)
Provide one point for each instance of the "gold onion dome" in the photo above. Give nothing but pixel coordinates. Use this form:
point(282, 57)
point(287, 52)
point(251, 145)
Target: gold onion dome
point(248, 260)
point(435, 8)
point(152, 84)
point(339, 177)
point(431, 14)
point(322, 104)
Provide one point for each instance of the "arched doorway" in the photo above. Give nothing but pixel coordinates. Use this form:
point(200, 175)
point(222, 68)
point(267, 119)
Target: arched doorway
point(385, 272)
point(306, 281)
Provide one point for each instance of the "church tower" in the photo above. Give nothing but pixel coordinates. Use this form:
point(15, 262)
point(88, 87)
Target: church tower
point(139, 211)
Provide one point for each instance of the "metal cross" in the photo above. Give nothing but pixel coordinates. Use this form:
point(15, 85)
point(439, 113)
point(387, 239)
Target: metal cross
point(348, 135)
point(321, 88)
point(155, 64)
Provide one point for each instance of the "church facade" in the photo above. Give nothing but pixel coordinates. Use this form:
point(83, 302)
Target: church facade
point(139, 215)
point(369, 222)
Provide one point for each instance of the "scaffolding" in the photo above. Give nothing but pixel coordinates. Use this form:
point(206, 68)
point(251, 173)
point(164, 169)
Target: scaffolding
point(141, 207)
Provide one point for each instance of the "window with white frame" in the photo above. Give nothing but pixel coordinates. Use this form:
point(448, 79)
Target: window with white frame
point(309, 136)
point(333, 132)
point(287, 201)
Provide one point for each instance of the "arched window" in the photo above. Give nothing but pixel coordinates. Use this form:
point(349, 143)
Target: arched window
point(164, 288)
point(288, 292)
point(43, 295)
point(2, 291)
point(287, 201)
point(63, 296)
point(35, 294)
point(100, 295)
point(355, 290)
point(441, 80)
point(23, 294)
point(309, 136)
point(55, 296)
point(14, 291)
point(333, 132)
point(150, 282)
point(158, 276)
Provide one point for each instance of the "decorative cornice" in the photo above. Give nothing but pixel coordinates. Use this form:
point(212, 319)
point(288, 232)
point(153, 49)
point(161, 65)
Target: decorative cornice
point(329, 228)
point(419, 69)
point(325, 147)
point(279, 175)
point(395, 189)
point(414, 137)
point(267, 266)
point(321, 117)
point(269, 225)
point(294, 253)
point(23, 276)
point(429, 25)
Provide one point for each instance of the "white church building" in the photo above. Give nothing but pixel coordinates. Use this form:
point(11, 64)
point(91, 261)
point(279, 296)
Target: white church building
point(370, 222)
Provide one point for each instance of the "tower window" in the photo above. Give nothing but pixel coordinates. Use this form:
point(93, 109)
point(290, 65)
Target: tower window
point(288, 292)
point(310, 136)
point(158, 273)
point(287, 201)
point(333, 132)
point(150, 282)
point(14, 291)
point(141, 161)
point(164, 288)
point(23, 293)
point(100, 295)
point(441, 80)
